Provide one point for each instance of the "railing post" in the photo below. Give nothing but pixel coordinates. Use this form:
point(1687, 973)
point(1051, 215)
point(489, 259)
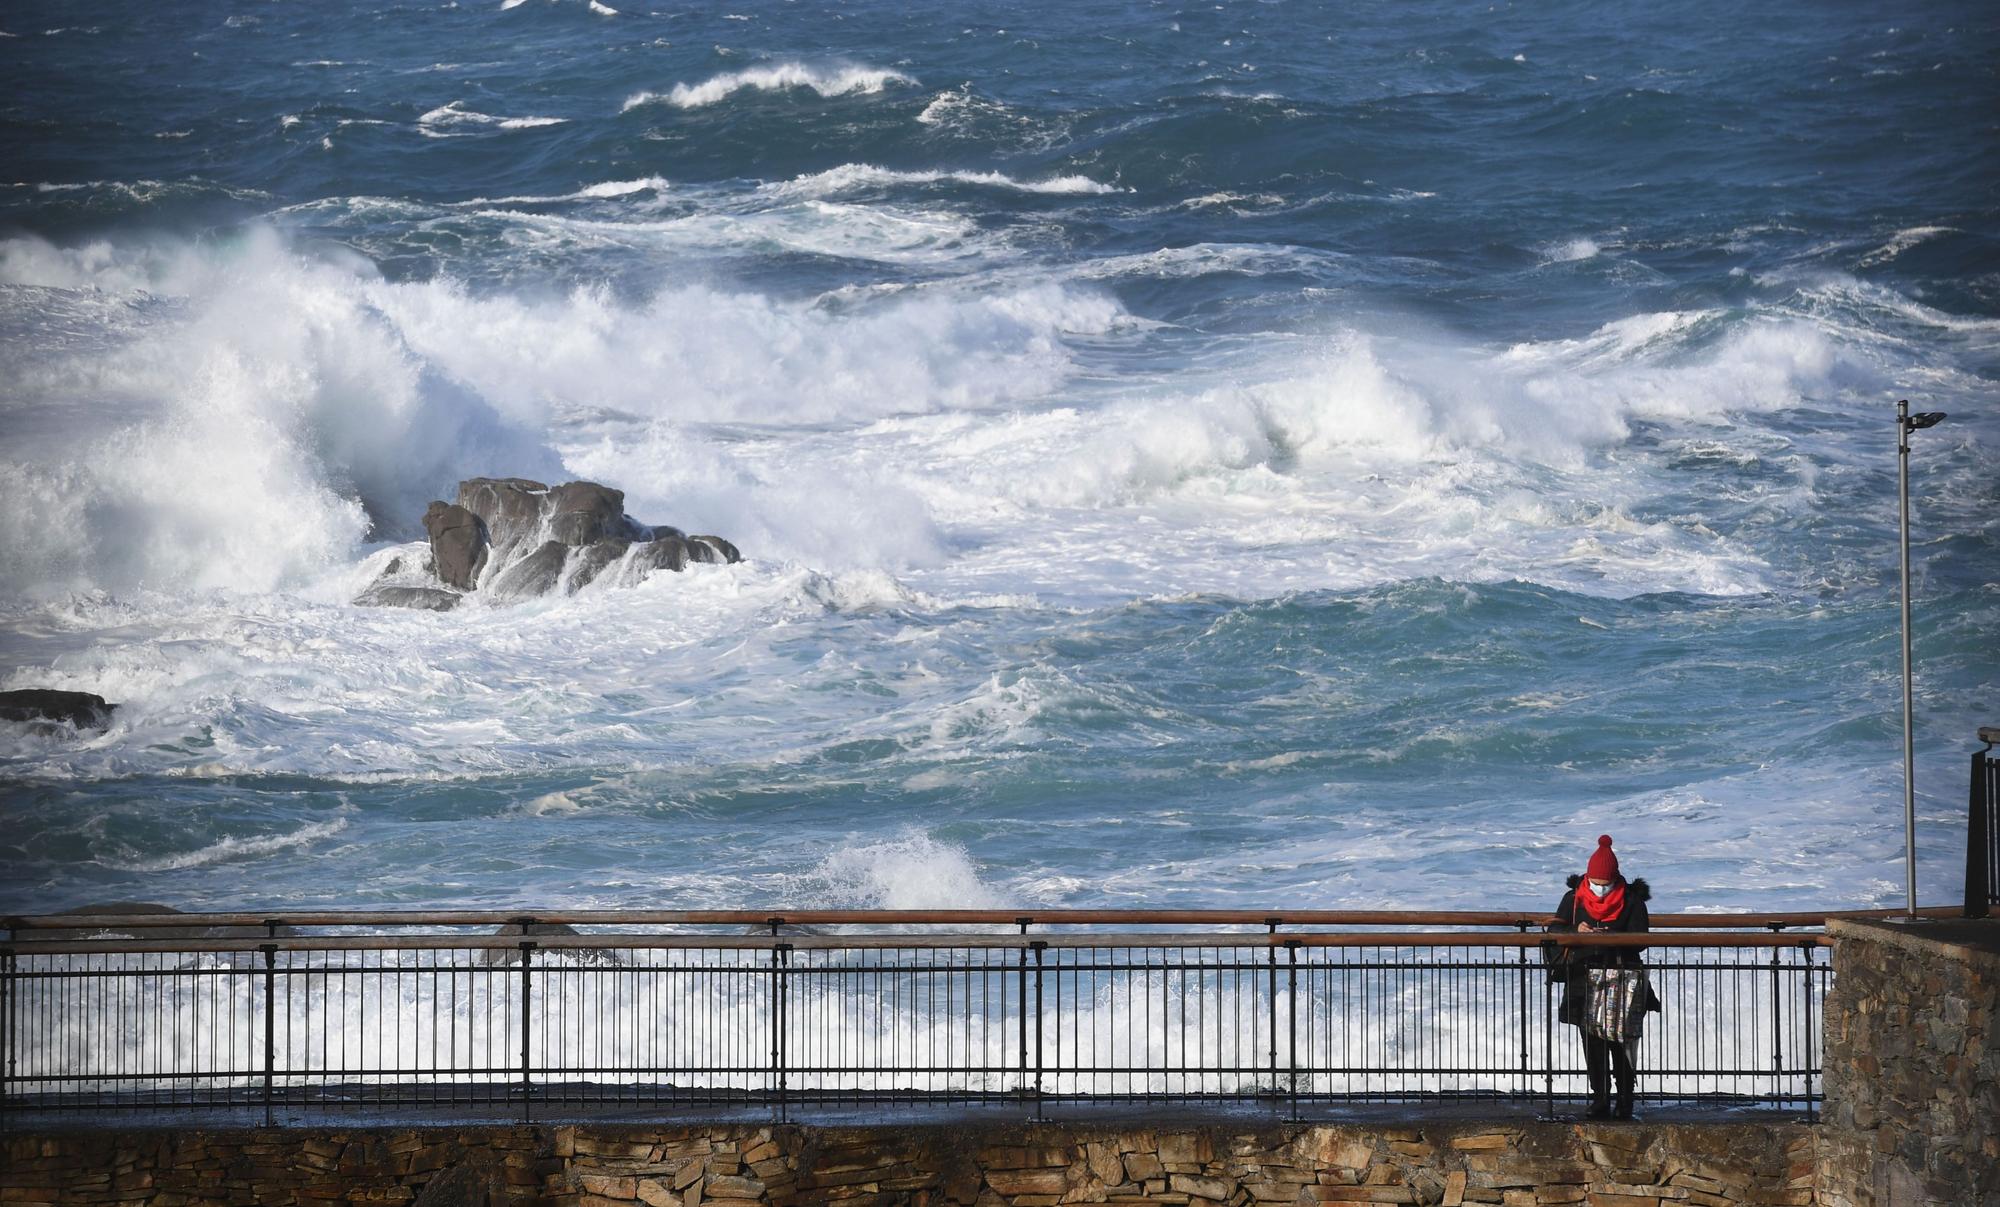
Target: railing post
point(270, 951)
point(527, 989)
point(1777, 1027)
point(1292, 1000)
point(1812, 1054)
point(1978, 839)
point(1021, 995)
point(1522, 951)
point(1040, 946)
point(1271, 1003)
point(7, 1037)
point(781, 959)
point(1549, 950)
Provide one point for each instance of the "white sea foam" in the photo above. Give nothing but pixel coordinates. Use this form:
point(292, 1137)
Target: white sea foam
point(228, 849)
point(606, 190)
point(316, 399)
point(453, 120)
point(914, 871)
point(852, 176)
point(1572, 250)
point(826, 80)
point(1902, 241)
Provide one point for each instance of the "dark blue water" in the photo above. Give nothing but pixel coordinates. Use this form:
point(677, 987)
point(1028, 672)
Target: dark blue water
point(1185, 455)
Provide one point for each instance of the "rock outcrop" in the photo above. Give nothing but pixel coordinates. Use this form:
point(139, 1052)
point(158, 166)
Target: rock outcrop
point(45, 707)
point(138, 909)
point(512, 539)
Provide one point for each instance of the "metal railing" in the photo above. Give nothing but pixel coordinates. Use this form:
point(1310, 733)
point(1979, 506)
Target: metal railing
point(249, 1013)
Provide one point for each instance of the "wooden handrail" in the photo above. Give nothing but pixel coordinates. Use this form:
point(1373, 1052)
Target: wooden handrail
point(916, 917)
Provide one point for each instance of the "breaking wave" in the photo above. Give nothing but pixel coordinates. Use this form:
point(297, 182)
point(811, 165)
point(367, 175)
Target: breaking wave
point(827, 81)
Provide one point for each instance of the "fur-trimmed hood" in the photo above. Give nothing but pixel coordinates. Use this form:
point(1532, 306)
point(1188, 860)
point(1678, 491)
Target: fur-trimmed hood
point(1638, 890)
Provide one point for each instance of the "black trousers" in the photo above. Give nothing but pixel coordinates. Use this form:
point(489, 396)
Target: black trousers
point(1601, 1057)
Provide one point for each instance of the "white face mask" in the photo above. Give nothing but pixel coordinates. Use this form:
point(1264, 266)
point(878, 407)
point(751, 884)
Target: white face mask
point(1599, 889)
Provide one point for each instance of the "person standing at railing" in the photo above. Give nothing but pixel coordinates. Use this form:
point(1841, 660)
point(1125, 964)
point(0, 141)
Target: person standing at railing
point(1605, 991)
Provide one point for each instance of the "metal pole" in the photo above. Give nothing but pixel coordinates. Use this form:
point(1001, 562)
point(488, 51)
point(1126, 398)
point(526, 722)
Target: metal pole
point(527, 956)
point(1549, 949)
point(1292, 998)
point(1527, 1083)
point(270, 1028)
point(1021, 995)
point(1039, 946)
point(1909, 738)
point(1811, 1051)
point(1778, 1094)
point(781, 958)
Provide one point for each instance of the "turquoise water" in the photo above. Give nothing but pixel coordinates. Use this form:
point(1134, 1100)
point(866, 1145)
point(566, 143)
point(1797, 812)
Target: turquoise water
point(1184, 455)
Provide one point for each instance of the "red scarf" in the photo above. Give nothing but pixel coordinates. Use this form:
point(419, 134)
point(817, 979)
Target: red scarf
point(1605, 908)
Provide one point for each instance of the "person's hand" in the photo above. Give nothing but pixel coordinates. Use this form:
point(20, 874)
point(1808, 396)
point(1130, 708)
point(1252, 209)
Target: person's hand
point(1586, 928)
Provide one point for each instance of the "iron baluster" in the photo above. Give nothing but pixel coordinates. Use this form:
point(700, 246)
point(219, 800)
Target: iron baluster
point(1549, 955)
point(270, 951)
point(1292, 1025)
point(1777, 1028)
point(1039, 946)
point(527, 988)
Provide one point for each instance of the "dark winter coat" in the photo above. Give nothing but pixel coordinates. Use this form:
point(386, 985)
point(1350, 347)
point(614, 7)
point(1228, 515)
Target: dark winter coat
point(1567, 965)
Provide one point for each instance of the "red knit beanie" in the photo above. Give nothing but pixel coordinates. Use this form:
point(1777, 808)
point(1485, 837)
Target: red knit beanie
point(1603, 864)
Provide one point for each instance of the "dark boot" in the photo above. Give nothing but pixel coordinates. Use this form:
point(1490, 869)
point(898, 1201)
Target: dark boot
point(1621, 1059)
point(1596, 1066)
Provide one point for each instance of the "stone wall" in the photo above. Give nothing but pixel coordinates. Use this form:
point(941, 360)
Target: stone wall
point(1602, 1165)
point(1912, 1061)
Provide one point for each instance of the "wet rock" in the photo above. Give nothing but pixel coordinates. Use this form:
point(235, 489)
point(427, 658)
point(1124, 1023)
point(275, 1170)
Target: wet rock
point(662, 553)
point(78, 710)
point(511, 508)
point(142, 909)
point(596, 956)
point(428, 599)
point(580, 513)
point(712, 549)
point(458, 544)
point(535, 574)
point(515, 538)
point(592, 562)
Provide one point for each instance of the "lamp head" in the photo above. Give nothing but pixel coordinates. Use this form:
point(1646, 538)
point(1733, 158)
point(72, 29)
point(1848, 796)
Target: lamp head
point(1924, 419)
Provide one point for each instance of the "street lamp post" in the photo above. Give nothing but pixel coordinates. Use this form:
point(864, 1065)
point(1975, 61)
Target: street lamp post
point(1905, 424)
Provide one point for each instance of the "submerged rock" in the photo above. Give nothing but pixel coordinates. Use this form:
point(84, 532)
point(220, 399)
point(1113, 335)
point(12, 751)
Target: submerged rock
point(42, 705)
point(515, 538)
point(388, 595)
point(137, 909)
point(581, 955)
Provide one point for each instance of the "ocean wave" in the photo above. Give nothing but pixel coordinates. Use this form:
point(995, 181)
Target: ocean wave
point(1902, 241)
point(324, 404)
point(607, 190)
point(914, 871)
point(229, 849)
point(851, 176)
point(1204, 259)
point(453, 120)
point(827, 81)
point(1571, 250)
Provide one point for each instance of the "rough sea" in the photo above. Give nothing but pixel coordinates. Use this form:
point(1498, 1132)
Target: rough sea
point(1249, 454)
